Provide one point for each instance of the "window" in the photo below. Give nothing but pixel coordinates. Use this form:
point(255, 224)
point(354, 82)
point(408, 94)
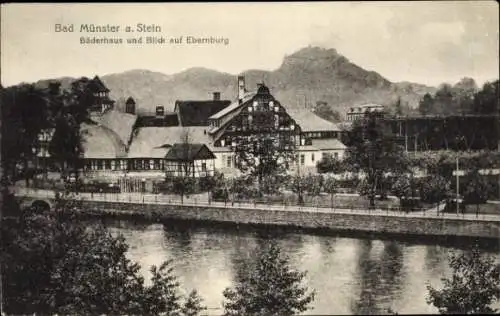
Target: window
point(151, 164)
point(228, 161)
point(204, 166)
point(157, 164)
point(113, 165)
point(302, 159)
point(336, 155)
point(138, 164)
point(312, 157)
point(99, 164)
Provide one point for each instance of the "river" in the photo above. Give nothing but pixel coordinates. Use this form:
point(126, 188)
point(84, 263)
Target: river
point(349, 275)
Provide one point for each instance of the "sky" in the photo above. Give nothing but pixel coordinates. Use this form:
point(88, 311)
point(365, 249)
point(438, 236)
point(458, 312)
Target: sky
point(424, 42)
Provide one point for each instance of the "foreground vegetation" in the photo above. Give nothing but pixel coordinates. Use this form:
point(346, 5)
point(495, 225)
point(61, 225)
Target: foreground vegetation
point(473, 287)
point(53, 263)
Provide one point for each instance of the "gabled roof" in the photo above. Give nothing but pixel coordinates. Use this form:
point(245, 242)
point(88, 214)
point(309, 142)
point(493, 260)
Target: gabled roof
point(101, 142)
point(326, 144)
point(169, 119)
point(233, 106)
point(189, 152)
point(130, 100)
point(97, 83)
point(119, 122)
point(196, 113)
point(310, 122)
point(148, 139)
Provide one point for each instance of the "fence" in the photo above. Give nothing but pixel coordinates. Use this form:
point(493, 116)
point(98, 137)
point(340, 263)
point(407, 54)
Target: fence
point(138, 198)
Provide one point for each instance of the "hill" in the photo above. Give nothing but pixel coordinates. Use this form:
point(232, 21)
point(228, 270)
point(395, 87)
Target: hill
point(305, 77)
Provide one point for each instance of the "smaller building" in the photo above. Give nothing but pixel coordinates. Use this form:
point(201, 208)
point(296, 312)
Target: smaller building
point(197, 113)
point(358, 112)
point(102, 101)
point(189, 160)
point(160, 118)
point(130, 106)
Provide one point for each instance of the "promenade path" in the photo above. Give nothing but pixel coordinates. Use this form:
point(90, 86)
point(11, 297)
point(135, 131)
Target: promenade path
point(160, 199)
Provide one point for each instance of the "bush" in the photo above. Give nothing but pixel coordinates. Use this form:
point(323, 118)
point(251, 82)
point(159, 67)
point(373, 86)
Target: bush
point(54, 263)
point(473, 287)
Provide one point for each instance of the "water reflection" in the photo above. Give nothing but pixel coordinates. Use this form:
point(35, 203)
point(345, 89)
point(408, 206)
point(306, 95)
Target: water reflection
point(350, 276)
point(380, 276)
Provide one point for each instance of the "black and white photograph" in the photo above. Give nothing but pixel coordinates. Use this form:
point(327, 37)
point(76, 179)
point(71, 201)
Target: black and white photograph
point(250, 158)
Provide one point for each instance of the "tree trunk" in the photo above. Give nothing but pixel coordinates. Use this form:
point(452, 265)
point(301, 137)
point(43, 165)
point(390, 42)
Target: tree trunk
point(371, 195)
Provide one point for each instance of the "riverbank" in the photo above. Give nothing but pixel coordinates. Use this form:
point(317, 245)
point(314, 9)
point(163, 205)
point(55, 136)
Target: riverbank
point(338, 221)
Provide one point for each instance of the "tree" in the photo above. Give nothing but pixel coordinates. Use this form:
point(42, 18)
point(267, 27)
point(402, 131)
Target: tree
point(314, 184)
point(24, 115)
point(444, 102)
point(260, 155)
point(426, 105)
point(463, 94)
point(434, 189)
point(473, 287)
point(477, 189)
point(328, 163)
point(244, 187)
point(374, 152)
point(270, 148)
point(486, 100)
point(271, 287)
point(326, 112)
point(398, 107)
point(66, 144)
point(183, 185)
point(330, 186)
point(298, 184)
point(56, 264)
point(272, 184)
point(404, 188)
point(219, 188)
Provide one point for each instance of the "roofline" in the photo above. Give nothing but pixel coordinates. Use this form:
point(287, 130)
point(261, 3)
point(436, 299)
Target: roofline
point(211, 117)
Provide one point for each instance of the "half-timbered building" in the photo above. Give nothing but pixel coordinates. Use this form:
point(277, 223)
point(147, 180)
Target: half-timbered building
point(139, 150)
point(189, 160)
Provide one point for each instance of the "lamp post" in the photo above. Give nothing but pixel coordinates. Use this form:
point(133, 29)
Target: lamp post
point(458, 184)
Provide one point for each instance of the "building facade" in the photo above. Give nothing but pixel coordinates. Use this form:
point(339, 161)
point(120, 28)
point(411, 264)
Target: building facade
point(133, 150)
point(357, 112)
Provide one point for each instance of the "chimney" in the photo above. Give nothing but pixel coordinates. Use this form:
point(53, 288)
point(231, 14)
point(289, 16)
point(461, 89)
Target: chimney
point(160, 111)
point(241, 88)
point(216, 96)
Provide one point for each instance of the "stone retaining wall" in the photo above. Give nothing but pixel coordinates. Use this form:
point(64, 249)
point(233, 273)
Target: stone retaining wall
point(380, 224)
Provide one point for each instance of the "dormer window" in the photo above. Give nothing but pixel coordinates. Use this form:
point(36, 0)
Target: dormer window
point(223, 142)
